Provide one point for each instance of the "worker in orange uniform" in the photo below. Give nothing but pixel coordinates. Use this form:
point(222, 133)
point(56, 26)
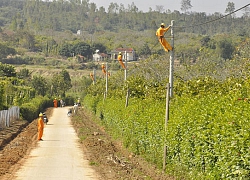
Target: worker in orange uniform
point(55, 103)
point(120, 60)
point(40, 127)
point(160, 34)
point(103, 68)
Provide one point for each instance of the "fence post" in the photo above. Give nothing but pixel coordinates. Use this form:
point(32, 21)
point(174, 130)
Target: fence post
point(7, 116)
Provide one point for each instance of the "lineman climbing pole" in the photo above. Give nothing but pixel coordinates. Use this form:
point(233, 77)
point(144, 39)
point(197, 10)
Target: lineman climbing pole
point(169, 93)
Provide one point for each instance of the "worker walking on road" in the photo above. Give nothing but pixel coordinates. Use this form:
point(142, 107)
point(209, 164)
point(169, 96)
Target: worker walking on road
point(55, 103)
point(160, 34)
point(120, 60)
point(40, 127)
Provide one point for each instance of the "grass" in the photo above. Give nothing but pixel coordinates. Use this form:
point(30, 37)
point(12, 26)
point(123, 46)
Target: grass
point(92, 163)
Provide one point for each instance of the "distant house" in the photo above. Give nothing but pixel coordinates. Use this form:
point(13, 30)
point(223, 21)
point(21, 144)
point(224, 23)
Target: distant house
point(128, 53)
point(99, 56)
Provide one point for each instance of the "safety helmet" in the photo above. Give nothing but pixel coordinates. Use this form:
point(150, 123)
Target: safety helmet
point(120, 52)
point(41, 114)
point(162, 24)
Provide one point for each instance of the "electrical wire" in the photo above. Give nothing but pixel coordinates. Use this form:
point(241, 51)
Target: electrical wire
point(213, 19)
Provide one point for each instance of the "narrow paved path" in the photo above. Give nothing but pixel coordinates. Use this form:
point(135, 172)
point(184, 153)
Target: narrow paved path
point(58, 156)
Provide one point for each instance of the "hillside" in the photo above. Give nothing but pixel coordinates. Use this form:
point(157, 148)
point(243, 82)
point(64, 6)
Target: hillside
point(61, 21)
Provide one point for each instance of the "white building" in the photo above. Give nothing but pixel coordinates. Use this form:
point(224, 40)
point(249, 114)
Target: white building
point(99, 56)
point(127, 53)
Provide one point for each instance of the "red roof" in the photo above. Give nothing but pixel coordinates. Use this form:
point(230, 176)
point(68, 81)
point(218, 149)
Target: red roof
point(124, 49)
point(103, 55)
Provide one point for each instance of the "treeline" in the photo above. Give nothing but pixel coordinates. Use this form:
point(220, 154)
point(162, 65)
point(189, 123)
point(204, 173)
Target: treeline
point(19, 87)
point(83, 15)
point(12, 51)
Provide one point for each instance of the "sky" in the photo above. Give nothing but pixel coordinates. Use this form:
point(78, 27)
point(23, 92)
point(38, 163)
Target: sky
point(207, 6)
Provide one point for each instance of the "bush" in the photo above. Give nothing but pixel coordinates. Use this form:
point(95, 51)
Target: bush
point(69, 100)
point(29, 111)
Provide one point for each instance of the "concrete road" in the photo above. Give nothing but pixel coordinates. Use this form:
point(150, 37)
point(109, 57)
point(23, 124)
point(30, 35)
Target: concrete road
point(58, 156)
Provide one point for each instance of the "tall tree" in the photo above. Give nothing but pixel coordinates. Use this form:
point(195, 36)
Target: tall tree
point(100, 47)
point(7, 70)
point(112, 8)
point(226, 49)
point(144, 50)
point(40, 85)
point(186, 5)
point(23, 73)
point(246, 11)
point(66, 77)
point(230, 8)
point(159, 8)
point(61, 83)
point(5, 51)
point(132, 8)
point(26, 39)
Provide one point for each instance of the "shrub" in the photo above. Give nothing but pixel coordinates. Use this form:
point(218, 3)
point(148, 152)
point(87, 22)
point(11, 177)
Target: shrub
point(29, 111)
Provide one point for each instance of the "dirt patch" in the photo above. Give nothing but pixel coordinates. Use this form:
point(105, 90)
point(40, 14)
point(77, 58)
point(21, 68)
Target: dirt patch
point(9, 133)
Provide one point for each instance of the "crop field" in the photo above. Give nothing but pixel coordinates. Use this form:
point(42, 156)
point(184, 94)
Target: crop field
point(207, 134)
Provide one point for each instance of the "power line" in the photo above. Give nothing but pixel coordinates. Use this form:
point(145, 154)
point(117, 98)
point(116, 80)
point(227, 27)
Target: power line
point(213, 19)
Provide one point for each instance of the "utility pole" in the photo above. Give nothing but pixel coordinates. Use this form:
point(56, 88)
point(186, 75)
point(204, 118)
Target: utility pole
point(165, 129)
point(106, 92)
point(125, 71)
point(94, 76)
point(169, 94)
point(171, 67)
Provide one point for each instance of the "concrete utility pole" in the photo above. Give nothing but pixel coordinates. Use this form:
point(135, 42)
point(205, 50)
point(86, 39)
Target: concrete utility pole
point(94, 74)
point(106, 92)
point(125, 78)
point(171, 67)
point(169, 94)
point(165, 129)
point(125, 72)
